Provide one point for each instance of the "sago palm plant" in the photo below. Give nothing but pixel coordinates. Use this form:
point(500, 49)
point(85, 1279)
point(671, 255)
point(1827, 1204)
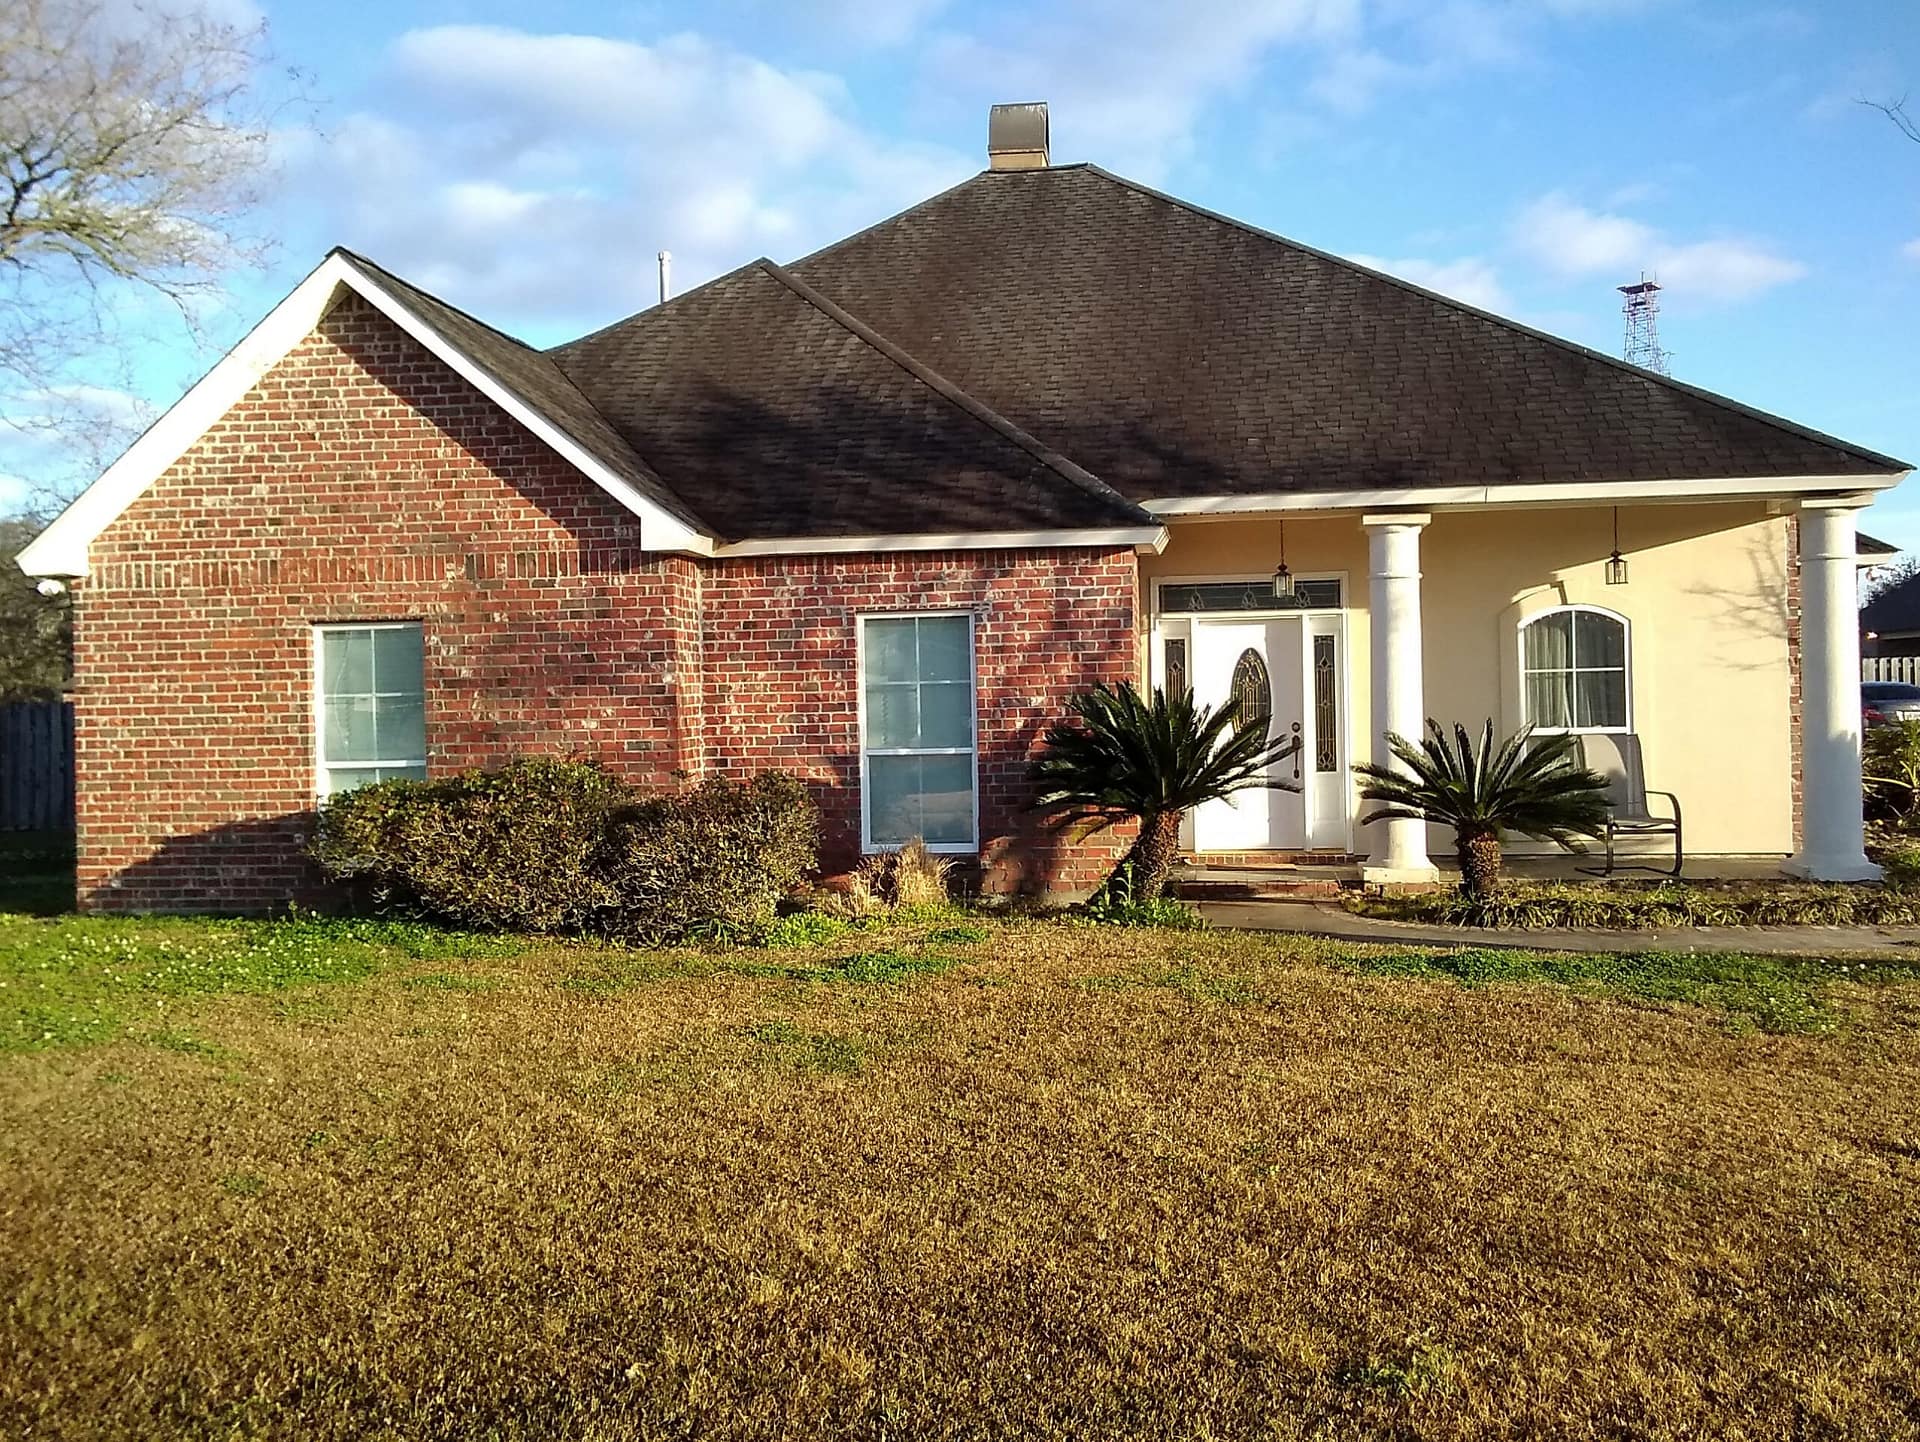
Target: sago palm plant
point(1534, 787)
point(1119, 757)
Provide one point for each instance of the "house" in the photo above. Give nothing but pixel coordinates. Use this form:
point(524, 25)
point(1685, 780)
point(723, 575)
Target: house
point(1890, 617)
point(875, 515)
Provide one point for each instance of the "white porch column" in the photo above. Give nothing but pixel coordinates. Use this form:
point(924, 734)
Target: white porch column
point(1831, 831)
point(1399, 848)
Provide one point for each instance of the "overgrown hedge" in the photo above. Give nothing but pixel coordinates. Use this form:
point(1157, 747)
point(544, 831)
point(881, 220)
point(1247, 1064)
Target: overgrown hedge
point(548, 845)
point(1627, 907)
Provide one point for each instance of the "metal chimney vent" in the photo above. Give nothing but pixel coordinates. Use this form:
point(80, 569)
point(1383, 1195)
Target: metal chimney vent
point(1017, 136)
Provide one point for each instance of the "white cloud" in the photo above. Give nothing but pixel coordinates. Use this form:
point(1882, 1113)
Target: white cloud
point(1724, 269)
point(1353, 79)
point(1572, 240)
point(1469, 279)
point(875, 23)
point(511, 171)
point(1911, 250)
point(1129, 83)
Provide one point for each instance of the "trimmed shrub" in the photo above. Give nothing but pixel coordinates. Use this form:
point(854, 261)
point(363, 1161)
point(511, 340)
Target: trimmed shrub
point(565, 846)
point(517, 849)
point(717, 859)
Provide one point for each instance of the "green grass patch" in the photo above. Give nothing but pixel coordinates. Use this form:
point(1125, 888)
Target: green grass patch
point(804, 928)
point(73, 980)
point(1765, 993)
point(1194, 983)
point(825, 1052)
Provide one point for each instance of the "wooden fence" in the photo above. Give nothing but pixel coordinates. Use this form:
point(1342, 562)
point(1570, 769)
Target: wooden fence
point(36, 766)
point(1891, 668)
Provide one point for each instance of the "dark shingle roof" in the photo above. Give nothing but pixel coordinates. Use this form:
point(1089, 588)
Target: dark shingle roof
point(1894, 610)
point(538, 381)
point(1040, 350)
point(1867, 545)
point(777, 414)
point(1174, 352)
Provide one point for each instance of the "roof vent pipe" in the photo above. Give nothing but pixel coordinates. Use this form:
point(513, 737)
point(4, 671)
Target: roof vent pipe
point(666, 275)
point(1017, 136)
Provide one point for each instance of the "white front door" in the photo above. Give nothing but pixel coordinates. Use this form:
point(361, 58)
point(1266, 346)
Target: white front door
point(1263, 663)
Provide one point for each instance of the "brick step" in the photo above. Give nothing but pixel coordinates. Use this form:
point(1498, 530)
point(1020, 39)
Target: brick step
point(1277, 887)
point(1264, 860)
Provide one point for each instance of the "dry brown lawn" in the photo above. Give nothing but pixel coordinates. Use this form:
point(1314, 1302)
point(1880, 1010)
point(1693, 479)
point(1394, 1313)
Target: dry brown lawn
point(1086, 1183)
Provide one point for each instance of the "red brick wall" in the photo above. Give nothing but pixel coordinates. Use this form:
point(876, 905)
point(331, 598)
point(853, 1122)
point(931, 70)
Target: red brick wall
point(363, 480)
point(1046, 624)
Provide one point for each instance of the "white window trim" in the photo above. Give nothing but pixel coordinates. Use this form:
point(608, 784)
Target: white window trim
point(1160, 583)
point(1520, 656)
point(868, 845)
point(320, 767)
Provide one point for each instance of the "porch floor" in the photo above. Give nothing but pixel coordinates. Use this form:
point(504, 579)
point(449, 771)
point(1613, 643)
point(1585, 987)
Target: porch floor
point(1318, 877)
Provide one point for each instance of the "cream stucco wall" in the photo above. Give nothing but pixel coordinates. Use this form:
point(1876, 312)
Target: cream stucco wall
point(1706, 603)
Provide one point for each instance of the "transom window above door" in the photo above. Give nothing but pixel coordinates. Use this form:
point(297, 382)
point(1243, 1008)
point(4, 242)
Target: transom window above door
point(1574, 670)
point(1309, 594)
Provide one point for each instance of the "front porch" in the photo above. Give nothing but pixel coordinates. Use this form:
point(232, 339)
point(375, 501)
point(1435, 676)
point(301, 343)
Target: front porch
point(1245, 878)
point(1719, 634)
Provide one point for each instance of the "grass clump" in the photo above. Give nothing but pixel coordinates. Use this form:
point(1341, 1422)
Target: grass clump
point(1766, 993)
point(1645, 906)
point(824, 1052)
point(1110, 908)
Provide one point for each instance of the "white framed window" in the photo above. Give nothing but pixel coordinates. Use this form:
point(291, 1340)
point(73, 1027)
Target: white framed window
point(369, 704)
point(919, 756)
point(1574, 670)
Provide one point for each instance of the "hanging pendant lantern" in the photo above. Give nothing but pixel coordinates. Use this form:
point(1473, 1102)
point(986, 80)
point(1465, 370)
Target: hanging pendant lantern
point(1282, 577)
point(1616, 563)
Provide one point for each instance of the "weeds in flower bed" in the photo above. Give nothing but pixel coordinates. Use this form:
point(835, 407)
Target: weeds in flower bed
point(1647, 906)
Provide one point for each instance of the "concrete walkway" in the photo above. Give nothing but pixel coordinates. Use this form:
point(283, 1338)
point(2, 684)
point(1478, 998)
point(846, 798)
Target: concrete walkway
point(1325, 919)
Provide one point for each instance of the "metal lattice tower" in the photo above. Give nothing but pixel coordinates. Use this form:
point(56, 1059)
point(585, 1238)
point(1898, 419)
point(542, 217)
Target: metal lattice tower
point(1642, 310)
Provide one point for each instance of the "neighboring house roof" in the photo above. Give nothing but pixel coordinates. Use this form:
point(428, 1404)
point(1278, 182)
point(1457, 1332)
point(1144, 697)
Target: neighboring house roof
point(1895, 611)
point(1175, 353)
point(1867, 547)
point(781, 415)
point(1033, 357)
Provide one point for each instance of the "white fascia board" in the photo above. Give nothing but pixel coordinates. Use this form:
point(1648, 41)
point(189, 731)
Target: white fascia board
point(1150, 538)
point(1576, 493)
point(61, 549)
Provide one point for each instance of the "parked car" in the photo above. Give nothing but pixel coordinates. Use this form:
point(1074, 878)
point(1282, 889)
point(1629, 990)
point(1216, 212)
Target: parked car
point(1884, 701)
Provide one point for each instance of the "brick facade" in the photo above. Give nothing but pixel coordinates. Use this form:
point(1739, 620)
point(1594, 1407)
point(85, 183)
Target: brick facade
point(361, 479)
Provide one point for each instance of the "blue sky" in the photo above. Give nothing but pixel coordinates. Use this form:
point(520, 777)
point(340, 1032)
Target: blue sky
point(1527, 156)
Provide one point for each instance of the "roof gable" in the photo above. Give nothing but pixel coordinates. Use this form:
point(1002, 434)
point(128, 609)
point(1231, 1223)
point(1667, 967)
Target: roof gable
point(781, 415)
point(495, 366)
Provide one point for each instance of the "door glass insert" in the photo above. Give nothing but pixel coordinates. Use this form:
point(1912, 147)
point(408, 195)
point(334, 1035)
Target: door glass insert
point(1325, 752)
point(1252, 692)
point(1176, 666)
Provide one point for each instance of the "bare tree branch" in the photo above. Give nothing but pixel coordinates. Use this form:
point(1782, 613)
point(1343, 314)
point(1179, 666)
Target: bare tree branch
point(133, 140)
point(1896, 111)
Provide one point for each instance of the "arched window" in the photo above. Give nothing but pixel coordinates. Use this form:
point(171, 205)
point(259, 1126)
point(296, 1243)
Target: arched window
point(1252, 692)
point(1573, 670)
